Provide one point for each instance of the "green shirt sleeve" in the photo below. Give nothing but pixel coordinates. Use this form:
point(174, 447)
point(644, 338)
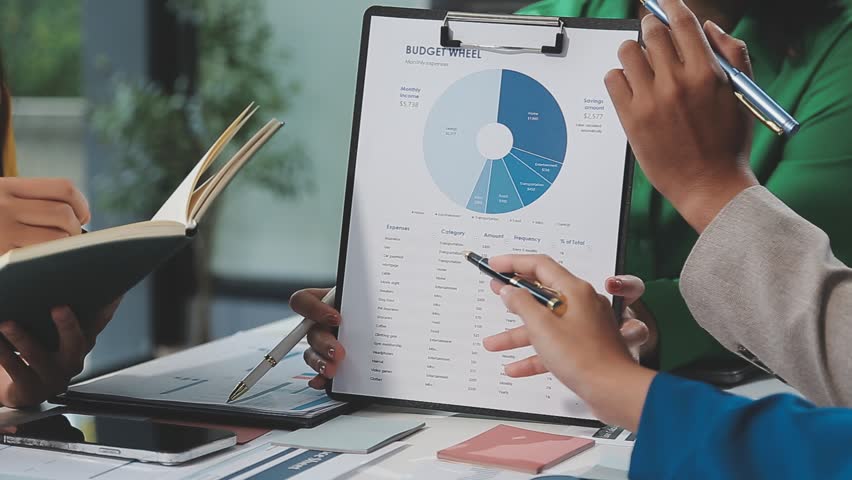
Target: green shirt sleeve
point(548, 8)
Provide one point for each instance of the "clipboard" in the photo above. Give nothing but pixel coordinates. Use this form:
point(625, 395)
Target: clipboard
point(365, 334)
point(100, 404)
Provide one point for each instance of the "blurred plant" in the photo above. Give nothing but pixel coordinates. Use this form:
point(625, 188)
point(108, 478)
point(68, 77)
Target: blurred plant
point(159, 135)
point(41, 44)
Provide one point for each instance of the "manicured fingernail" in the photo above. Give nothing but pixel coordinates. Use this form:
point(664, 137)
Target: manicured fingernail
point(331, 352)
point(717, 27)
point(332, 319)
point(321, 366)
point(61, 314)
point(619, 283)
point(631, 333)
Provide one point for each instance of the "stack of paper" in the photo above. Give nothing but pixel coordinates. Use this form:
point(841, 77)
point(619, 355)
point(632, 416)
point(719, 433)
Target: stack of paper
point(350, 434)
point(256, 461)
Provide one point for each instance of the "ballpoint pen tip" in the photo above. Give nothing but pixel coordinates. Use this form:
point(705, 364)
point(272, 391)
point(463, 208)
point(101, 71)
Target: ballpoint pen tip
point(238, 392)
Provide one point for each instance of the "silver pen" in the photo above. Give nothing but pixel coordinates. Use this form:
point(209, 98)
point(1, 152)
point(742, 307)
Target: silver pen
point(761, 105)
point(281, 350)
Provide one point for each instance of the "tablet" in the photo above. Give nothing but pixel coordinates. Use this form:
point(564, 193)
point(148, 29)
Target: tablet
point(119, 437)
point(482, 149)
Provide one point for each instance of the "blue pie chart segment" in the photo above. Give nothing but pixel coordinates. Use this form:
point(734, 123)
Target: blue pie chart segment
point(503, 194)
point(548, 169)
point(495, 141)
point(533, 116)
point(449, 143)
point(528, 182)
point(479, 197)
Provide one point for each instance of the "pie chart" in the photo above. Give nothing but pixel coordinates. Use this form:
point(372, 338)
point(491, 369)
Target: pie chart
point(495, 141)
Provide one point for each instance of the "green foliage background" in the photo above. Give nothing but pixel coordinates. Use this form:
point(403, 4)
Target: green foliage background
point(160, 136)
point(41, 45)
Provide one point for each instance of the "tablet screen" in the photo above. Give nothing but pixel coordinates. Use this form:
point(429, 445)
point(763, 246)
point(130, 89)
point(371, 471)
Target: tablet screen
point(471, 149)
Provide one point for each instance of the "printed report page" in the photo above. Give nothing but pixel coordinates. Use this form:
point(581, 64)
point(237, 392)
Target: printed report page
point(469, 149)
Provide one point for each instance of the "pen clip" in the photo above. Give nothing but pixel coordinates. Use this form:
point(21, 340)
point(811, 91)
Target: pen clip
point(769, 123)
point(553, 293)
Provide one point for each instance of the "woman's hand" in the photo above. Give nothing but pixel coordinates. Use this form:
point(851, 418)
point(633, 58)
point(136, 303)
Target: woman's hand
point(689, 133)
point(635, 333)
point(33, 375)
point(638, 327)
point(583, 348)
point(325, 353)
point(36, 210)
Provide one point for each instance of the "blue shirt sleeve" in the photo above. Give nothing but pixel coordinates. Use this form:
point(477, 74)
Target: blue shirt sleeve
point(692, 430)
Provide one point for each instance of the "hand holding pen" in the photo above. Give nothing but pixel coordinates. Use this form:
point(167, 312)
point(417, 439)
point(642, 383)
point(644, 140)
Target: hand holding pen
point(638, 336)
point(691, 136)
point(758, 102)
point(550, 298)
point(325, 352)
point(319, 316)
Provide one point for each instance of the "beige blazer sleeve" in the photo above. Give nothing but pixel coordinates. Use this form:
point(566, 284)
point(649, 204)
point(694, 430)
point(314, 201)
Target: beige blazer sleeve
point(764, 282)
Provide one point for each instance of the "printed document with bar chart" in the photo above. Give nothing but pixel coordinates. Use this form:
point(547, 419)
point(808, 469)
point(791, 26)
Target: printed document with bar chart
point(199, 380)
point(472, 149)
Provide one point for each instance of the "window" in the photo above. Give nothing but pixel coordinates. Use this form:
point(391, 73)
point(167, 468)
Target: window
point(293, 243)
point(267, 247)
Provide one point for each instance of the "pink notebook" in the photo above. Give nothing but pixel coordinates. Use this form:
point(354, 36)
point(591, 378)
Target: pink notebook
point(516, 449)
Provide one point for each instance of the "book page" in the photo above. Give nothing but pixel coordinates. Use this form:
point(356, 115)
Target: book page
point(467, 149)
point(207, 193)
point(176, 207)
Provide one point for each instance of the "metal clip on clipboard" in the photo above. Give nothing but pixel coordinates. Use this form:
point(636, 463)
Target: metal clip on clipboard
point(556, 22)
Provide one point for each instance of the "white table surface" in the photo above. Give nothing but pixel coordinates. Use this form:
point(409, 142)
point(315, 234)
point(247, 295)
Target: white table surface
point(604, 461)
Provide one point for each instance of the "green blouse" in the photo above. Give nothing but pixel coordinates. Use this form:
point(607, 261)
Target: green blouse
point(812, 172)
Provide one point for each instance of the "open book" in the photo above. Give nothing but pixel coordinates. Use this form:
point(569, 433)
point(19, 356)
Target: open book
point(89, 271)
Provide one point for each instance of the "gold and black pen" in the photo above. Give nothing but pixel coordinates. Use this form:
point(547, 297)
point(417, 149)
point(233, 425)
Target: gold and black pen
point(548, 297)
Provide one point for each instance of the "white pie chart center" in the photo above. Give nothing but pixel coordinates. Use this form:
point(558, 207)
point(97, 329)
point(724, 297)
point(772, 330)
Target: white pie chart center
point(494, 141)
